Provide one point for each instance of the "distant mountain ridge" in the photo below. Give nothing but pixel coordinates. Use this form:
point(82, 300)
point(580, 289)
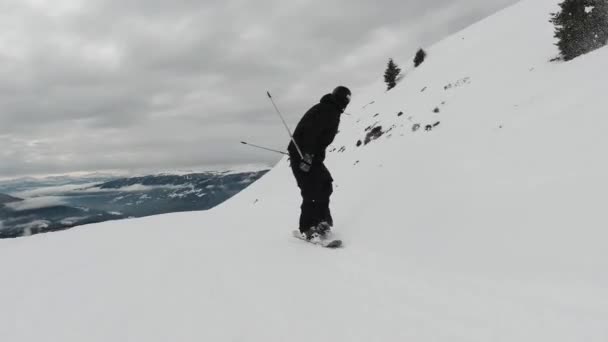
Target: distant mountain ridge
point(58, 205)
point(8, 199)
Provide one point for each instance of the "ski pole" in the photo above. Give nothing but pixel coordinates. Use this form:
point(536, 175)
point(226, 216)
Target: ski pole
point(264, 148)
point(285, 123)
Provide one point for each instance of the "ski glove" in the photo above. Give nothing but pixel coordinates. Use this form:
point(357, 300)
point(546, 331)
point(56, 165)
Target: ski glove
point(306, 162)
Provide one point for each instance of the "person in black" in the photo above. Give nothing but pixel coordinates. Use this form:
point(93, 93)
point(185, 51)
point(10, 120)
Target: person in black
point(315, 131)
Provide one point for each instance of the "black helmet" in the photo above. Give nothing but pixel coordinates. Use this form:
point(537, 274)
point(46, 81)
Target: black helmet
point(342, 95)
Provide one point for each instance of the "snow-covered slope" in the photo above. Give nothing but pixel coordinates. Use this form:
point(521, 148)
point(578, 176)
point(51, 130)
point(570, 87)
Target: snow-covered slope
point(490, 227)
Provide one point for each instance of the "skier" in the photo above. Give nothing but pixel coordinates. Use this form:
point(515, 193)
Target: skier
point(315, 131)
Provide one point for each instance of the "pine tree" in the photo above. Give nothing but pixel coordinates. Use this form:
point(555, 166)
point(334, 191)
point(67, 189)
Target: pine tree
point(581, 26)
point(391, 73)
point(420, 56)
point(599, 17)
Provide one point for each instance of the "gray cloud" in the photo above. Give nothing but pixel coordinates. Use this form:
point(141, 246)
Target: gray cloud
point(109, 84)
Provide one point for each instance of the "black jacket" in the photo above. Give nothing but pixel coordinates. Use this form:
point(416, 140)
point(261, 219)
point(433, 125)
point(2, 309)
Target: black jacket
point(317, 129)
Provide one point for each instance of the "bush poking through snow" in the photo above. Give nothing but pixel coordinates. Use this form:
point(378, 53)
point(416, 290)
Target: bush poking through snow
point(419, 58)
point(374, 134)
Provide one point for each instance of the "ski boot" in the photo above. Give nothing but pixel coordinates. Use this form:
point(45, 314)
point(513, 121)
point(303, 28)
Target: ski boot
point(324, 229)
point(311, 234)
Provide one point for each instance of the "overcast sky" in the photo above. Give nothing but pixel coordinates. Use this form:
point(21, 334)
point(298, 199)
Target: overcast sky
point(93, 85)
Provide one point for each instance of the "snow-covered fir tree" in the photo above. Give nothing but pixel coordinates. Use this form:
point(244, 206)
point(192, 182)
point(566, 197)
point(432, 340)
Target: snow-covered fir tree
point(581, 26)
point(391, 73)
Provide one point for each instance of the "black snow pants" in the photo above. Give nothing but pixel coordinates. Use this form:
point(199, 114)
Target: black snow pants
point(316, 188)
